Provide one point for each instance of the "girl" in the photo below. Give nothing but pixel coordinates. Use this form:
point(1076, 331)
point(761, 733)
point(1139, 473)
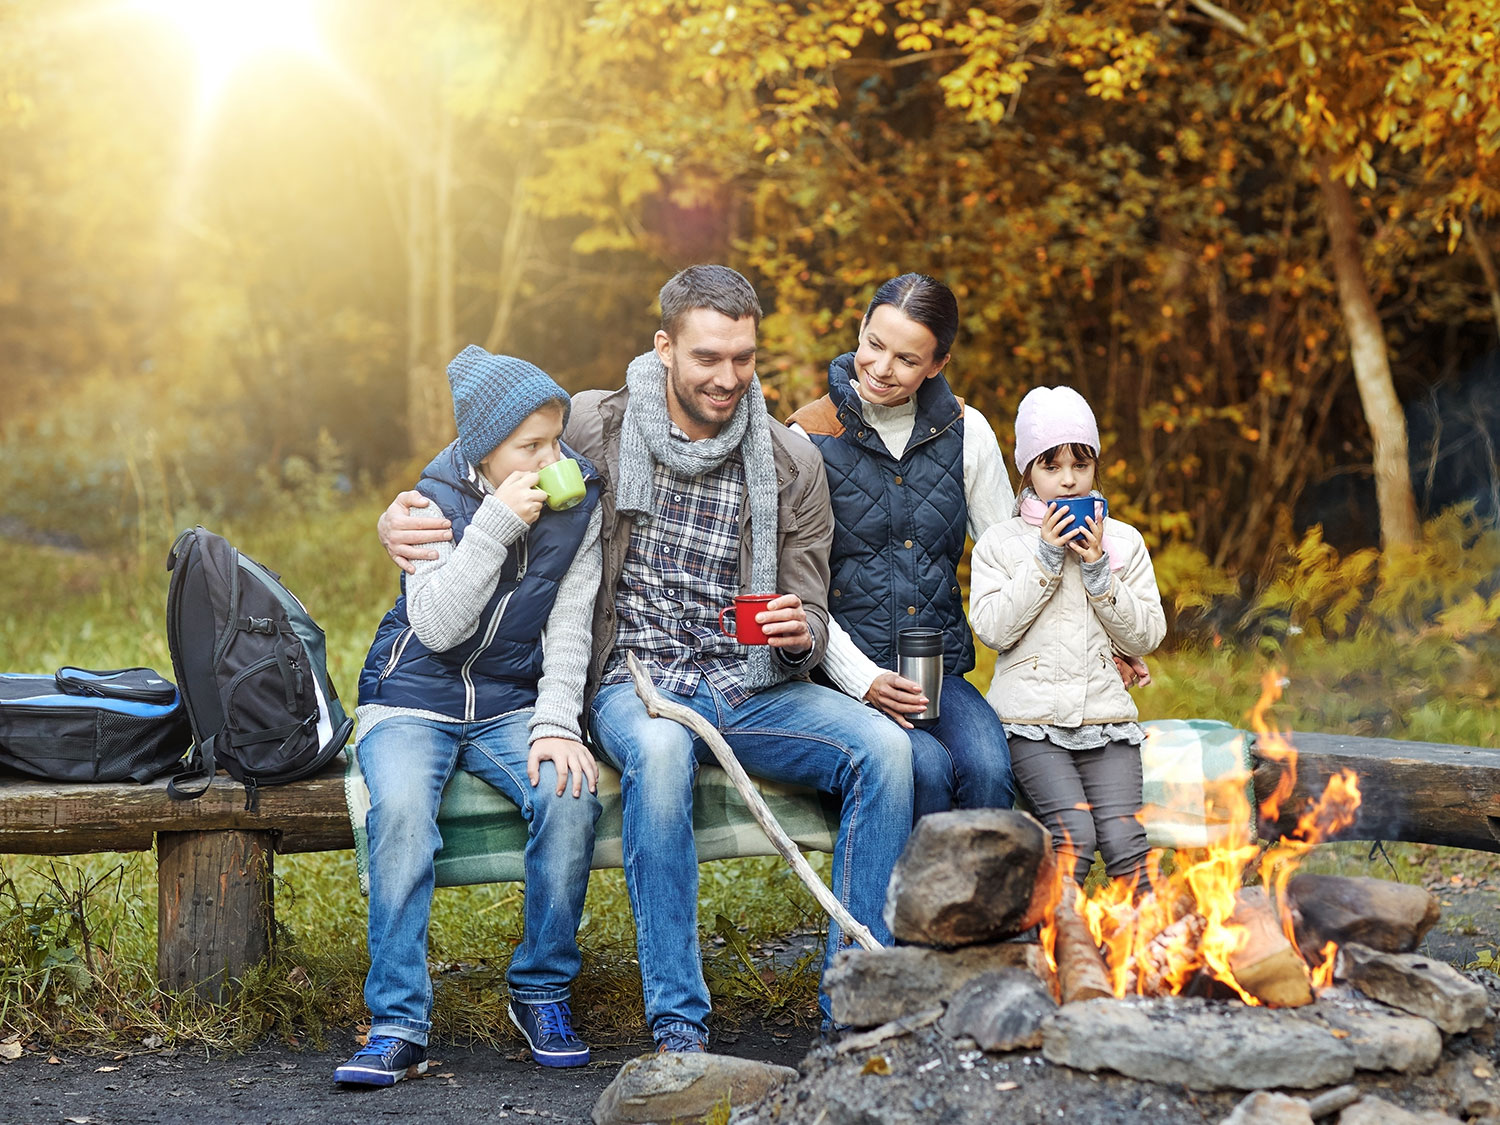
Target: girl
point(910, 470)
point(1057, 600)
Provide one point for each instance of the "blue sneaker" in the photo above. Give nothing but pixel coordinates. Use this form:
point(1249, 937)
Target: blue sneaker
point(383, 1061)
point(680, 1043)
point(549, 1033)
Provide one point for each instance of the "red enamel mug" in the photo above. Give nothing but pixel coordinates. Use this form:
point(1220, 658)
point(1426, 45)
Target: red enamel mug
point(742, 624)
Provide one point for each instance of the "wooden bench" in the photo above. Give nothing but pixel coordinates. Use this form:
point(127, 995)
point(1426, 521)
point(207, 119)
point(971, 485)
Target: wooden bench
point(214, 858)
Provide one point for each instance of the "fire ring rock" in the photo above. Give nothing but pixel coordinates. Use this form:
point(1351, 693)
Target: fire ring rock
point(977, 875)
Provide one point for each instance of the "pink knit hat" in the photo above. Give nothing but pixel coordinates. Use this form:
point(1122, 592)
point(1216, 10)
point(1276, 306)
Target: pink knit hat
point(1049, 417)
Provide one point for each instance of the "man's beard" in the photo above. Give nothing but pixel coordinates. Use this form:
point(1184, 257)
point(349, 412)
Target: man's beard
point(689, 402)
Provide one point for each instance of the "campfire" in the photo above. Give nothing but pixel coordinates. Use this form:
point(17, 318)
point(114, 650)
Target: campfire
point(1198, 929)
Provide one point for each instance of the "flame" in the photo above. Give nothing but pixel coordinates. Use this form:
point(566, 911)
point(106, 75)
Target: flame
point(1160, 940)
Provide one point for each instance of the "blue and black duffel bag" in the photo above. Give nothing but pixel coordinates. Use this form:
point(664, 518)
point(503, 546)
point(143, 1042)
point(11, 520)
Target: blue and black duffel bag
point(92, 726)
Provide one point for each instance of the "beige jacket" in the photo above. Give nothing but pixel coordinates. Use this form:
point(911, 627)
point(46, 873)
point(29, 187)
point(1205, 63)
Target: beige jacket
point(1055, 641)
point(804, 519)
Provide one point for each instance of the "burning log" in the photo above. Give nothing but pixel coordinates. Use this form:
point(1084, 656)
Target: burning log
point(1151, 975)
point(1081, 972)
point(1267, 966)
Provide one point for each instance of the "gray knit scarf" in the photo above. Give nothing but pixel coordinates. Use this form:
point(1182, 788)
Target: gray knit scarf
point(646, 438)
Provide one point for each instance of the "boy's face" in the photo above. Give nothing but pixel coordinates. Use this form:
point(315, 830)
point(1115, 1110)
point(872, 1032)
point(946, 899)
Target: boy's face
point(530, 448)
point(1059, 473)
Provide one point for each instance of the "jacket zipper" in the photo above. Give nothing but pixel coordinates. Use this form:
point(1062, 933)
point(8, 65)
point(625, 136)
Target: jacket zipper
point(400, 647)
point(489, 633)
point(1032, 660)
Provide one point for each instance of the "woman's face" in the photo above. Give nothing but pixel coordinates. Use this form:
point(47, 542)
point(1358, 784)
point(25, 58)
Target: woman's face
point(1062, 475)
point(894, 357)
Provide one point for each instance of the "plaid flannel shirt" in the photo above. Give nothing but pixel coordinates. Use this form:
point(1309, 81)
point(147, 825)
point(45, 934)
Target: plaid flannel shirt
point(681, 568)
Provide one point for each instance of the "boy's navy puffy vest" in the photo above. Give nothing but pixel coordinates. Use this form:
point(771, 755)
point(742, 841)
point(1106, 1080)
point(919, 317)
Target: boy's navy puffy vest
point(899, 523)
point(496, 670)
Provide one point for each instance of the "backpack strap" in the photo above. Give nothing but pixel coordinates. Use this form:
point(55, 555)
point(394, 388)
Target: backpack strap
point(205, 769)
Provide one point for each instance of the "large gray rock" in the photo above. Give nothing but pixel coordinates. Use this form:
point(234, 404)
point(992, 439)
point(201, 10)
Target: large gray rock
point(1380, 1038)
point(1190, 1043)
point(869, 987)
point(978, 875)
point(1415, 984)
point(1370, 1110)
point(664, 1088)
point(1266, 1108)
point(1000, 1011)
point(1390, 917)
point(1471, 1078)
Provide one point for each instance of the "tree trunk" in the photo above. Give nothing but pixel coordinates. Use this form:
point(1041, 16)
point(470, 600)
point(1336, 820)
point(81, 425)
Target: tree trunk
point(429, 292)
point(1486, 262)
point(1372, 369)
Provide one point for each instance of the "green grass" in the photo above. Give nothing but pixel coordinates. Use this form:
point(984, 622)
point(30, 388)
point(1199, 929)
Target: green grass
point(77, 937)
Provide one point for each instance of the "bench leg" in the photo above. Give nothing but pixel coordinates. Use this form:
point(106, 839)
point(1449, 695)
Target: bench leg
point(214, 908)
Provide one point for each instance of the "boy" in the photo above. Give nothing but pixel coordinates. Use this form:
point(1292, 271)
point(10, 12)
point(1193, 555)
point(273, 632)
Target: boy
point(480, 666)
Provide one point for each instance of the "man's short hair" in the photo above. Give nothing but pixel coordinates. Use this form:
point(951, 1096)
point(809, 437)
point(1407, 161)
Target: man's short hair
point(707, 287)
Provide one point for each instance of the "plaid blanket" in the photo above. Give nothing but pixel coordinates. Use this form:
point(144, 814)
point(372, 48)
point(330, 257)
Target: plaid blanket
point(484, 837)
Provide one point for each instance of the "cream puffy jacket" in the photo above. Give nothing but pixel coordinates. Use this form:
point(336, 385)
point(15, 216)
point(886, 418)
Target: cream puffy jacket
point(1055, 641)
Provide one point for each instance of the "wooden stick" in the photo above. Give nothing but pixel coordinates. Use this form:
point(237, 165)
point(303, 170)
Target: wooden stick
point(1267, 966)
point(1081, 973)
point(657, 707)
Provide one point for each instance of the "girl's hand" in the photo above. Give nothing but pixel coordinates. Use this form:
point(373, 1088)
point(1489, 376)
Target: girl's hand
point(519, 493)
point(897, 697)
point(572, 759)
point(1089, 546)
point(1056, 527)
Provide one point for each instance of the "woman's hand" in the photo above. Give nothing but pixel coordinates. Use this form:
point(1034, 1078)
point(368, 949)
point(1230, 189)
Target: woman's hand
point(519, 493)
point(572, 759)
point(897, 697)
point(405, 536)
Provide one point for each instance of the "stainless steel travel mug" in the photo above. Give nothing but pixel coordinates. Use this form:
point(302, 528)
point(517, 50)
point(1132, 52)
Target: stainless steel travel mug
point(919, 658)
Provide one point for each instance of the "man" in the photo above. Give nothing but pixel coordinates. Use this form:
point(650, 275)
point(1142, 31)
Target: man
point(706, 497)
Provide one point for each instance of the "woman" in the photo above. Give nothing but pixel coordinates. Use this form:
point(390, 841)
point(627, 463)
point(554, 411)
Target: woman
point(911, 469)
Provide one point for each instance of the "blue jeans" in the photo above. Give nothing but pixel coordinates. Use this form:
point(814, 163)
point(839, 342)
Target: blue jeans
point(795, 732)
point(962, 760)
point(406, 761)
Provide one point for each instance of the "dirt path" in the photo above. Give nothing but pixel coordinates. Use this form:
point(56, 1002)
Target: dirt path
point(279, 1085)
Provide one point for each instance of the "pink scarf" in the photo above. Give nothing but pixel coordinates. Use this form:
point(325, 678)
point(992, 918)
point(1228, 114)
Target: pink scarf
point(1034, 511)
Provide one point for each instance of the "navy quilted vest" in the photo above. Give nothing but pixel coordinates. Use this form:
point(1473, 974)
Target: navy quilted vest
point(496, 670)
point(899, 523)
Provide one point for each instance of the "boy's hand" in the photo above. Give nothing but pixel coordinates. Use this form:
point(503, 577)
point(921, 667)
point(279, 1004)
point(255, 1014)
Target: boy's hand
point(1089, 546)
point(404, 536)
point(572, 759)
point(897, 696)
point(519, 493)
point(785, 624)
point(1056, 527)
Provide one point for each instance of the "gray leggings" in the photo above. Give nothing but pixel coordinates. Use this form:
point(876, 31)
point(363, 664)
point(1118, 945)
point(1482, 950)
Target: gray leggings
point(1087, 799)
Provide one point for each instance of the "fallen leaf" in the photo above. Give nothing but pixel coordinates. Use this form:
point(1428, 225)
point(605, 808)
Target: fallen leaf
point(879, 1064)
point(10, 1050)
point(53, 1060)
point(1482, 1070)
point(298, 978)
point(1007, 1085)
point(118, 1058)
point(79, 1120)
point(152, 1041)
point(104, 1069)
point(1339, 1033)
point(446, 1074)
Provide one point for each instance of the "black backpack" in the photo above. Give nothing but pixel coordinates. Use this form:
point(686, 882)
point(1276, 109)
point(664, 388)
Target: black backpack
point(79, 725)
point(251, 666)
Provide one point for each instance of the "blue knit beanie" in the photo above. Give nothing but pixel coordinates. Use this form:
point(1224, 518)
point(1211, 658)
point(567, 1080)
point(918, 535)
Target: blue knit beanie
point(493, 394)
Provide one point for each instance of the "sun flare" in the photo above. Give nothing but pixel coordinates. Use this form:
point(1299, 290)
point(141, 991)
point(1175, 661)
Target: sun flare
point(227, 33)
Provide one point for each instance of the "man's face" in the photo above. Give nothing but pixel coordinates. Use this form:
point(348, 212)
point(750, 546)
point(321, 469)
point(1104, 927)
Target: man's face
point(709, 365)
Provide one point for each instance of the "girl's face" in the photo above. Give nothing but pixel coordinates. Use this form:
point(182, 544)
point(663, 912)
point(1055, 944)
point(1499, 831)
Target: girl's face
point(894, 357)
point(1059, 473)
point(530, 448)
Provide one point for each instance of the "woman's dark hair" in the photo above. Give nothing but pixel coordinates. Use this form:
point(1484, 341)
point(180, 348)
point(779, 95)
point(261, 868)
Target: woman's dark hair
point(925, 300)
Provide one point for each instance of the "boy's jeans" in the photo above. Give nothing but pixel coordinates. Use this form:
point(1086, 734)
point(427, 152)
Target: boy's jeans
point(406, 761)
point(796, 732)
